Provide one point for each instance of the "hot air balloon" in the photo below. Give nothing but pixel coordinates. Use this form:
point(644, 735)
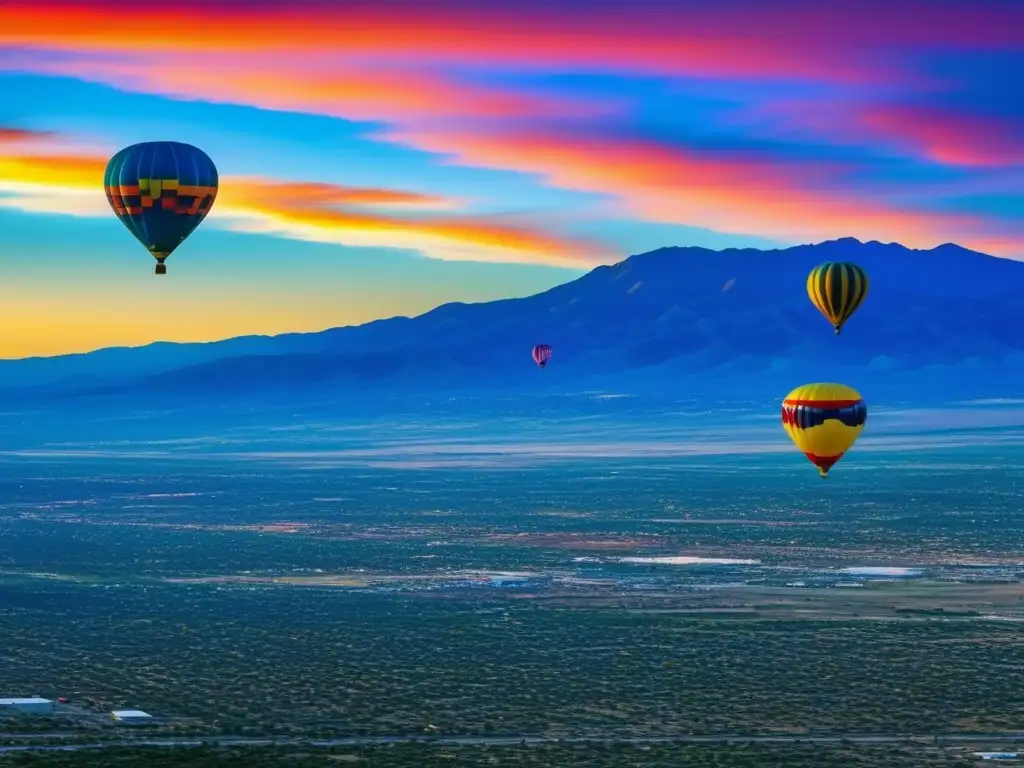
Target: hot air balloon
point(823, 421)
point(541, 354)
point(161, 191)
point(837, 289)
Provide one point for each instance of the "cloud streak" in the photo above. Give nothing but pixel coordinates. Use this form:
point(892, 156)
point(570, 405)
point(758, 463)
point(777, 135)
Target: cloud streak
point(41, 182)
point(948, 136)
point(730, 192)
point(353, 91)
point(776, 38)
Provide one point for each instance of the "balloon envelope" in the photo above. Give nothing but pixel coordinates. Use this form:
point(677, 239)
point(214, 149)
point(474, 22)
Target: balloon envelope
point(823, 421)
point(837, 289)
point(541, 354)
point(161, 191)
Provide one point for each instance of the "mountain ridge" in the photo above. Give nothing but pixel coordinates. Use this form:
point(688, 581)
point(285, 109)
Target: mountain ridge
point(674, 311)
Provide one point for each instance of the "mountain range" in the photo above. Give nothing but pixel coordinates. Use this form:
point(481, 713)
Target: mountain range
point(735, 320)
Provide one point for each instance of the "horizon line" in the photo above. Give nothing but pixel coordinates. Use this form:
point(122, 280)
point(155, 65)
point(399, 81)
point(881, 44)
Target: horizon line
point(451, 303)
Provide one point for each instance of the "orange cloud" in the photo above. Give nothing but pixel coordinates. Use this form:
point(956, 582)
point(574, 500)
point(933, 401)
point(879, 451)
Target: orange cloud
point(324, 213)
point(17, 135)
point(307, 211)
point(65, 171)
point(729, 193)
point(305, 193)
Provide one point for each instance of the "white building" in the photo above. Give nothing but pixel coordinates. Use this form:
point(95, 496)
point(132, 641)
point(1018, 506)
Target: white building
point(131, 716)
point(33, 705)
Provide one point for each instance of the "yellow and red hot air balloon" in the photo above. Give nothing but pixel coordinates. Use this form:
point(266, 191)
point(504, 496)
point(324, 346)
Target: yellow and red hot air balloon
point(824, 421)
point(837, 289)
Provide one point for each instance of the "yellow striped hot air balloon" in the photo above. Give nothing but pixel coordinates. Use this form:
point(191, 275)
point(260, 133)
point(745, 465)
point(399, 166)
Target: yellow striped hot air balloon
point(823, 421)
point(837, 289)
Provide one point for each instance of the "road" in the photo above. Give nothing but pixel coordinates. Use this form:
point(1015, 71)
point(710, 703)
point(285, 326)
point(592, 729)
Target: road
point(355, 741)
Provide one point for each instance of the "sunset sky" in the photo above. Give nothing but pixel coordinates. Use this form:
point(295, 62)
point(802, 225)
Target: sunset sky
point(380, 158)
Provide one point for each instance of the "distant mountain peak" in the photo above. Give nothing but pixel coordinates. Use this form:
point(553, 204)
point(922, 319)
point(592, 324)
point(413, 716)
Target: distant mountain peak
point(843, 241)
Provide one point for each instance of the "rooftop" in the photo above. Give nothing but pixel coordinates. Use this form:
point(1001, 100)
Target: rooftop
point(997, 755)
point(29, 700)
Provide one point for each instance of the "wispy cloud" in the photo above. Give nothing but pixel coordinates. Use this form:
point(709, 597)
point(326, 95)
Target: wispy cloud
point(33, 180)
point(945, 134)
point(728, 191)
point(350, 90)
point(19, 135)
point(949, 136)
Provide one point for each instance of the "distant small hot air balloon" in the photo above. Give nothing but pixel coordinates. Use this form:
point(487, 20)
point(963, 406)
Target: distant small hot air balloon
point(823, 421)
point(837, 289)
point(541, 354)
point(161, 191)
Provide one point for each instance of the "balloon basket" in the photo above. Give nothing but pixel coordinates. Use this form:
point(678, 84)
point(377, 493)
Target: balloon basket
point(161, 269)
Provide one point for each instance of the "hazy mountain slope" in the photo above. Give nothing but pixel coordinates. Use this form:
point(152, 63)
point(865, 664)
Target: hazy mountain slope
point(651, 317)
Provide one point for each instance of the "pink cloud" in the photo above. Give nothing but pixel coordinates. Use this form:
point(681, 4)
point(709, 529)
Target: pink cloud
point(943, 135)
point(755, 38)
point(350, 92)
point(733, 193)
point(947, 136)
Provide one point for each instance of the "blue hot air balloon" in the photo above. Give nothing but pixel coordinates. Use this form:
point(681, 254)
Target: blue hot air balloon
point(161, 191)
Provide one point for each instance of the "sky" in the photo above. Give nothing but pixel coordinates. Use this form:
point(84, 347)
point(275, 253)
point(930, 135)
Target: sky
point(381, 158)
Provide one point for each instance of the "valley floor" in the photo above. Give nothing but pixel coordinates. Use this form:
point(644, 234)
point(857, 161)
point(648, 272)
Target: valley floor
point(668, 605)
